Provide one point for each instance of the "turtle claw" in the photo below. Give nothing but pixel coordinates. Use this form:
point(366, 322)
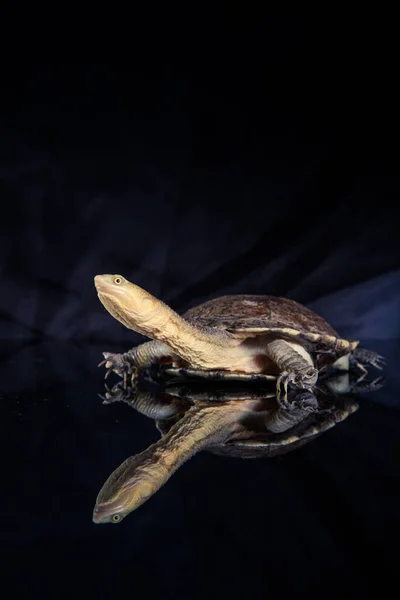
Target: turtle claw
point(363, 358)
point(118, 364)
point(307, 402)
point(111, 393)
point(377, 383)
point(108, 394)
point(302, 401)
point(379, 362)
point(368, 386)
point(282, 387)
point(118, 393)
point(282, 397)
point(364, 371)
point(304, 380)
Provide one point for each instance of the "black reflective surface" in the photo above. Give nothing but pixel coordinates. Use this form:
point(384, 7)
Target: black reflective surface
point(321, 519)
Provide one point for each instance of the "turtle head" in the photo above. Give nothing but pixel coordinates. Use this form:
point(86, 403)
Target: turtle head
point(130, 304)
point(124, 491)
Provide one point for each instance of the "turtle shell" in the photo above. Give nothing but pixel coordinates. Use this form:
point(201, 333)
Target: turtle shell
point(259, 442)
point(250, 315)
point(277, 444)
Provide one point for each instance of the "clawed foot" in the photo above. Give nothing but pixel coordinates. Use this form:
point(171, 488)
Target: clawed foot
point(119, 364)
point(118, 393)
point(305, 402)
point(305, 380)
point(362, 358)
point(378, 362)
point(363, 386)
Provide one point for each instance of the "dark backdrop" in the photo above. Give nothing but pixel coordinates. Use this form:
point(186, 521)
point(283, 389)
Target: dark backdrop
point(191, 186)
point(264, 169)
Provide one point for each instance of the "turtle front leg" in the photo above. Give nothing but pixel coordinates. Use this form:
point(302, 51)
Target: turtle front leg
point(128, 364)
point(295, 365)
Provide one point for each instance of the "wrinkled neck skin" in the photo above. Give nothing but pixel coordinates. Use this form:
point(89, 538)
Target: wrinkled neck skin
point(202, 426)
point(192, 344)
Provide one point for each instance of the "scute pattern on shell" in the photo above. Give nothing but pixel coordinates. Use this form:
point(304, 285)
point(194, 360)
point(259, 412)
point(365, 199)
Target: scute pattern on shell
point(252, 311)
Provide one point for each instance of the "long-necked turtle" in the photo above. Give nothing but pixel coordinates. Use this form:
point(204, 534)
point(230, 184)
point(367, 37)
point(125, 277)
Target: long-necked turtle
point(231, 422)
point(238, 336)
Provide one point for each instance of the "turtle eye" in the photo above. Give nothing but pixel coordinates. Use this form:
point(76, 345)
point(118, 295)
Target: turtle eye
point(116, 518)
point(118, 280)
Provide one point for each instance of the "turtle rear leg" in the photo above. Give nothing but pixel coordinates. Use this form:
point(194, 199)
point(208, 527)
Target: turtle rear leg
point(360, 357)
point(361, 386)
point(295, 365)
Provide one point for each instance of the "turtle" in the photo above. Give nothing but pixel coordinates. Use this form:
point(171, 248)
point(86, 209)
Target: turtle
point(236, 422)
point(242, 337)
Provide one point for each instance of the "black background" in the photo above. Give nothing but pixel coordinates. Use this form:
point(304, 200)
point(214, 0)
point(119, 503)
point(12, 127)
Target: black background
point(264, 162)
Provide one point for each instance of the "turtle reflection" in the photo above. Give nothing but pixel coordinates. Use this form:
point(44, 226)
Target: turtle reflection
point(230, 421)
